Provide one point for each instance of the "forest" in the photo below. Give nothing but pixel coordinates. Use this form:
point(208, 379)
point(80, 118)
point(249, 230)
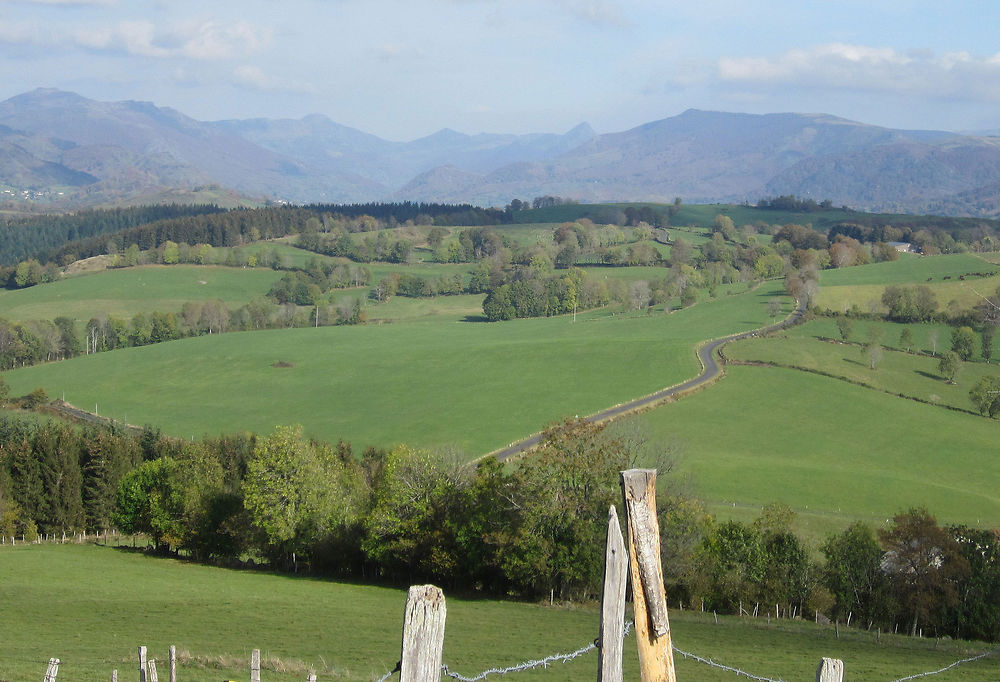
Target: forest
point(404, 515)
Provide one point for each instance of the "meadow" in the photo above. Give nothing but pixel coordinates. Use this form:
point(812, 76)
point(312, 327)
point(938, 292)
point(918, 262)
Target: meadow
point(816, 346)
point(128, 291)
point(92, 606)
point(863, 285)
point(452, 381)
point(833, 451)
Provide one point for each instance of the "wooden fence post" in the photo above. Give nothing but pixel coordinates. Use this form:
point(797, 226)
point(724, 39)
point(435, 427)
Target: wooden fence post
point(255, 665)
point(423, 634)
point(142, 664)
point(151, 664)
point(52, 670)
point(652, 627)
point(173, 662)
point(114, 675)
point(612, 632)
point(830, 670)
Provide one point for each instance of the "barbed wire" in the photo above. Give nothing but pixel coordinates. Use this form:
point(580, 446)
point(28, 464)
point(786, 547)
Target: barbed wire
point(947, 667)
point(737, 671)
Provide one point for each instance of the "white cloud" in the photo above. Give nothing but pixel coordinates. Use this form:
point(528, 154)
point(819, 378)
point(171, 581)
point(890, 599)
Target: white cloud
point(206, 40)
point(61, 2)
point(256, 79)
point(874, 69)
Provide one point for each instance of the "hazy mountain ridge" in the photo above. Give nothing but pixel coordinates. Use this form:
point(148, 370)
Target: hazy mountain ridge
point(98, 151)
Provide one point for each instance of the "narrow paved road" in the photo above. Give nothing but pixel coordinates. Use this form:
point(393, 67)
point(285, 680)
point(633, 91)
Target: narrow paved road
point(709, 372)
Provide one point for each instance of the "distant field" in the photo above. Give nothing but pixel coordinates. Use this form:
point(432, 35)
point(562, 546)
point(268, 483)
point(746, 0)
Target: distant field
point(909, 269)
point(100, 604)
point(896, 372)
point(476, 385)
point(833, 451)
point(128, 291)
point(864, 285)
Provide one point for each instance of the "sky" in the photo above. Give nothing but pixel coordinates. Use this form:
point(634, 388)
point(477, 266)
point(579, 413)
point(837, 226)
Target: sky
point(402, 69)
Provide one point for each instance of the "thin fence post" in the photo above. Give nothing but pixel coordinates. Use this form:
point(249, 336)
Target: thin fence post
point(423, 634)
point(830, 670)
point(255, 665)
point(612, 631)
point(142, 664)
point(114, 675)
point(652, 627)
point(173, 662)
point(151, 664)
point(52, 670)
point(311, 677)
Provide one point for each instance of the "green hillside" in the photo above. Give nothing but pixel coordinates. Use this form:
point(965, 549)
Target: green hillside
point(125, 292)
point(833, 451)
point(100, 604)
point(476, 385)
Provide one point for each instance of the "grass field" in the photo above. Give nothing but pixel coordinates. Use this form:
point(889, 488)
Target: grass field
point(475, 385)
point(93, 606)
point(125, 292)
point(863, 285)
point(833, 451)
point(896, 372)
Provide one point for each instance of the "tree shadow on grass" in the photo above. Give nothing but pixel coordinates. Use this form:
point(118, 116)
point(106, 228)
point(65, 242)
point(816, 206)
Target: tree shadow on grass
point(935, 377)
point(475, 318)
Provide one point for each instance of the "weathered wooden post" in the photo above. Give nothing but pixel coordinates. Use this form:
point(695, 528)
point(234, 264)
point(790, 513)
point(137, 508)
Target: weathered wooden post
point(114, 675)
point(830, 670)
point(151, 664)
point(52, 670)
point(255, 665)
point(652, 627)
point(612, 632)
point(173, 662)
point(142, 664)
point(311, 677)
point(423, 634)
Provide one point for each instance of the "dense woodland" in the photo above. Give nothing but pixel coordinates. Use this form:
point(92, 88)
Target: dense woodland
point(405, 515)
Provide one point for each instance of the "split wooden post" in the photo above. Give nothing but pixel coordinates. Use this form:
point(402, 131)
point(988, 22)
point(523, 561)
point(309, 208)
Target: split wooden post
point(255, 665)
point(423, 634)
point(52, 670)
point(311, 677)
point(114, 675)
point(652, 627)
point(173, 662)
point(612, 632)
point(142, 664)
point(830, 670)
point(152, 670)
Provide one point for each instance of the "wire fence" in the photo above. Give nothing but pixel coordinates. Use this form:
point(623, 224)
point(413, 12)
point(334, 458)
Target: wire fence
point(564, 658)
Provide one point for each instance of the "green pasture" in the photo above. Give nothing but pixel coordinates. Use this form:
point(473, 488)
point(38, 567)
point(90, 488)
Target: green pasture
point(403, 309)
point(949, 276)
point(475, 385)
point(908, 269)
point(92, 606)
point(127, 291)
point(833, 451)
point(896, 371)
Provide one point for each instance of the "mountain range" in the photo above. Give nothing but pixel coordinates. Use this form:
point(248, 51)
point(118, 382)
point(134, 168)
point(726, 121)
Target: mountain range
point(66, 150)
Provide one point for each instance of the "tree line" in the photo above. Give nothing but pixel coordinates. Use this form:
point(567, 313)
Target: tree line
point(526, 529)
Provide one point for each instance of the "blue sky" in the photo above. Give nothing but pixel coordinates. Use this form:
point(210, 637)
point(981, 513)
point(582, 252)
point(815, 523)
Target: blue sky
point(402, 69)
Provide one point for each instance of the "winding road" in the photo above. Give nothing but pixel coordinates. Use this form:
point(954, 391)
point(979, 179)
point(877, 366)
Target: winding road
point(710, 370)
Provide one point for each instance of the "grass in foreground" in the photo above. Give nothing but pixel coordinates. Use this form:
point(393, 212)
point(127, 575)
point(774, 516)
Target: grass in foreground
point(93, 606)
